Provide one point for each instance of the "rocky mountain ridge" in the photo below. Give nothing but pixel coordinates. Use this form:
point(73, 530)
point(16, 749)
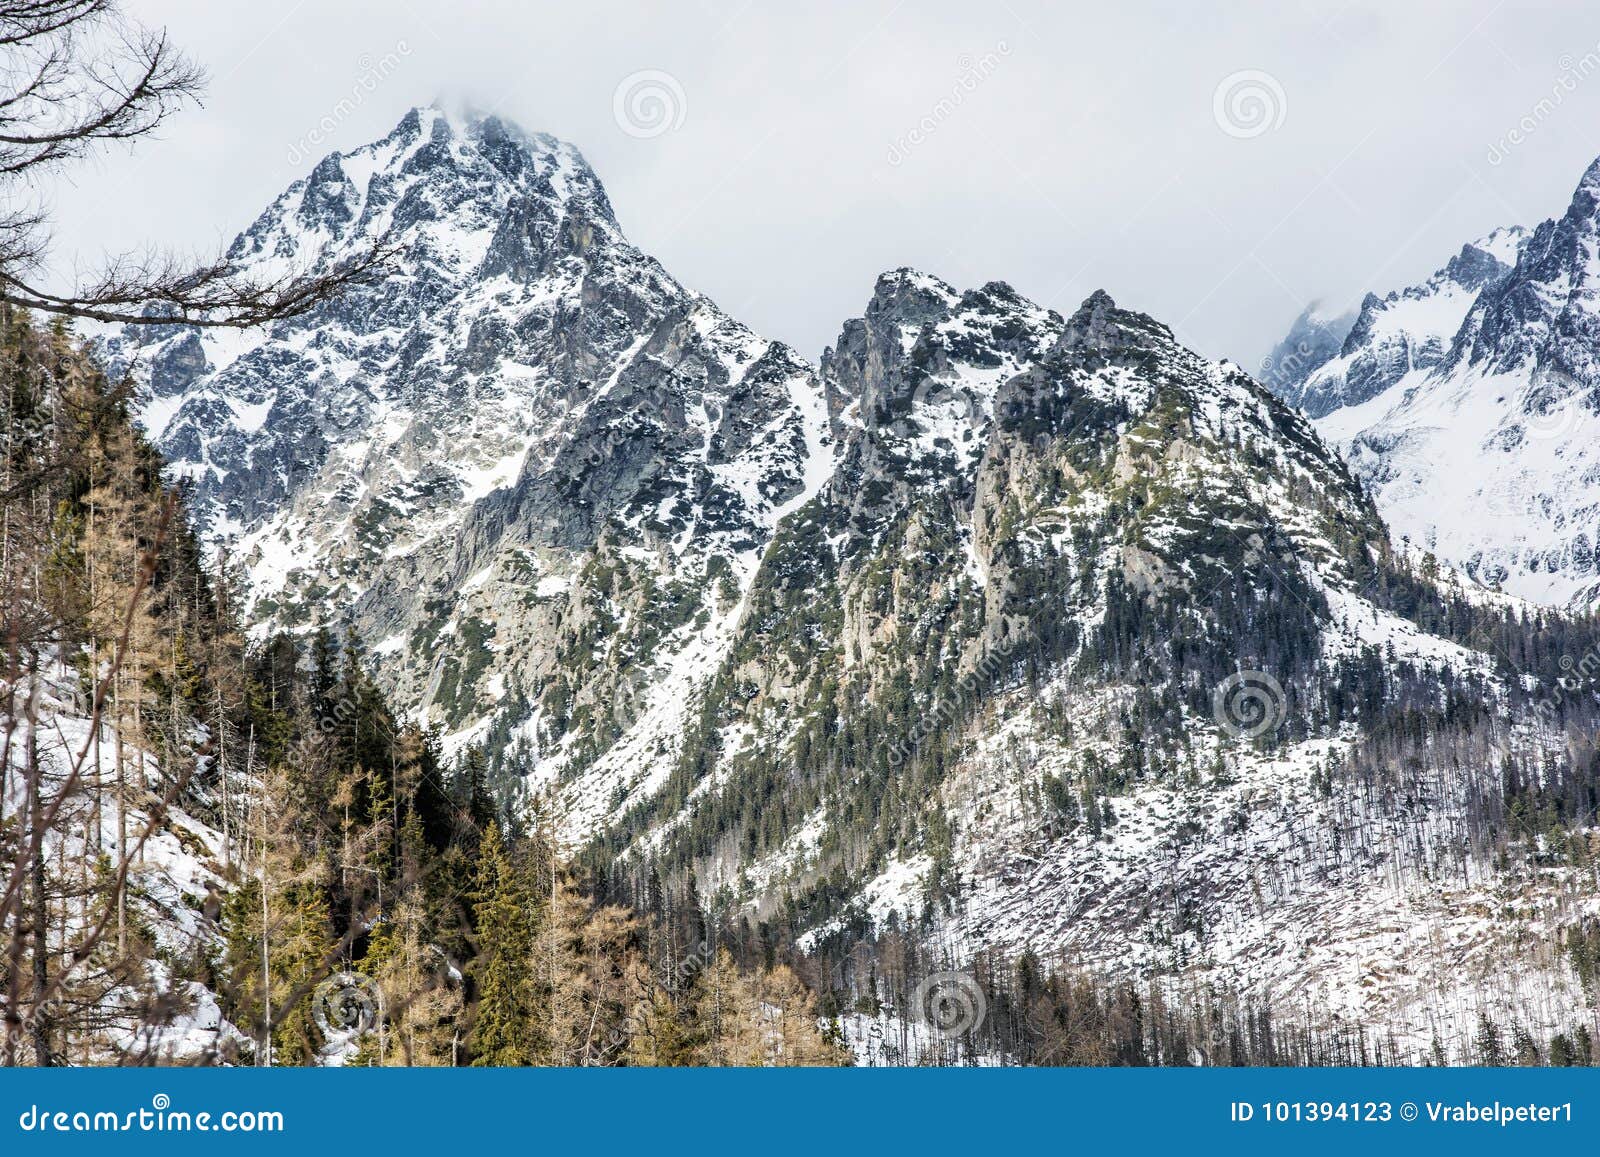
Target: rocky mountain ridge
point(439, 456)
point(1018, 631)
point(1469, 406)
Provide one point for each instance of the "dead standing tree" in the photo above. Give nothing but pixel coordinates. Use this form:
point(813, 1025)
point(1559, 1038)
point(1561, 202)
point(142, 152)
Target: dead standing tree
point(77, 76)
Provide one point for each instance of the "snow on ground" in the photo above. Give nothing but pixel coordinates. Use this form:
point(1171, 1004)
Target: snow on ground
point(1484, 471)
point(175, 874)
point(1255, 881)
point(1358, 625)
point(898, 1038)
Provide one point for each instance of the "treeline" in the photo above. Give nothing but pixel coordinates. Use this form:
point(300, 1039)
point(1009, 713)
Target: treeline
point(1025, 1009)
point(368, 904)
point(452, 931)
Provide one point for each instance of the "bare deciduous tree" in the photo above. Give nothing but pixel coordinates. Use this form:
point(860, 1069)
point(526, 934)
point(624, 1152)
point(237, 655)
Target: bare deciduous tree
point(76, 76)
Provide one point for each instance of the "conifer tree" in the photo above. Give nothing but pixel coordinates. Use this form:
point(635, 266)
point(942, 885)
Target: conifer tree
point(503, 1019)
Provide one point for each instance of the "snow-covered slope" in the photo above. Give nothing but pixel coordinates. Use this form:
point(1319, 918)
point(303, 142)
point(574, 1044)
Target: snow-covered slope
point(1006, 680)
point(1408, 331)
point(1010, 628)
point(1470, 405)
point(137, 995)
point(1314, 339)
point(525, 458)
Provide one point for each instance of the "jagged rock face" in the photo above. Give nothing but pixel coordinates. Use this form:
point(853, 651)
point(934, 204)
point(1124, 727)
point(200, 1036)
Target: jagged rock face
point(1471, 406)
point(1312, 342)
point(433, 460)
point(852, 641)
point(1083, 465)
point(1047, 603)
point(912, 384)
point(1406, 331)
point(1545, 315)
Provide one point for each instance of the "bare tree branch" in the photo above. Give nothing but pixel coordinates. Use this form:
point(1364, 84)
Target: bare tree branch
point(75, 76)
point(214, 295)
point(23, 21)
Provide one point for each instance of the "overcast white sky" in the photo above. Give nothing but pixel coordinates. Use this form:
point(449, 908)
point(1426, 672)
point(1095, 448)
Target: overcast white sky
point(1083, 151)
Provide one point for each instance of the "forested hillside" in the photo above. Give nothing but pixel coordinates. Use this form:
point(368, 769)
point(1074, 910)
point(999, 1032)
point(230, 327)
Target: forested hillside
point(227, 853)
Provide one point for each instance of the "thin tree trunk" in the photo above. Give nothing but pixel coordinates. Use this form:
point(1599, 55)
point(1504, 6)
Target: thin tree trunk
point(39, 919)
point(122, 815)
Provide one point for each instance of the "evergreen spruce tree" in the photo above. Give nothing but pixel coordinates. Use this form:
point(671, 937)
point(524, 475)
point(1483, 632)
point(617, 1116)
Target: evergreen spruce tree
point(504, 1017)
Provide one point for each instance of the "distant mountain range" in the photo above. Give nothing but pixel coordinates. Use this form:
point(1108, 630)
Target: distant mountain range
point(1470, 405)
point(1013, 630)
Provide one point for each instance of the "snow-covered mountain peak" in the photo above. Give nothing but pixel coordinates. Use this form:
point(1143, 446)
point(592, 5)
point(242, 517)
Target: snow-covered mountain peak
point(431, 460)
point(438, 183)
point(1502, 244)
point(1098, 325)
point(921, 366)
point(1468, 404)
point(1404, 331)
